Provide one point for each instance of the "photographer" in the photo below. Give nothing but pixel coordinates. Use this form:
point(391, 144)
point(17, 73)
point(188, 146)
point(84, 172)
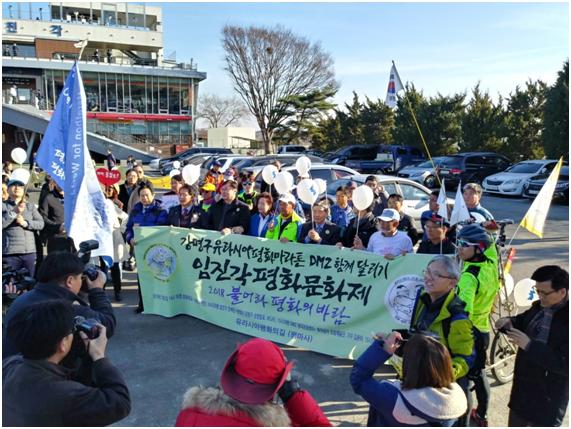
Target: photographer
point(431, 398)
point(36, 387)
point(61, 277)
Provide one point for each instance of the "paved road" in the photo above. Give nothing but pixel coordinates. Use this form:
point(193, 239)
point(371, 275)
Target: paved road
point(162, 357)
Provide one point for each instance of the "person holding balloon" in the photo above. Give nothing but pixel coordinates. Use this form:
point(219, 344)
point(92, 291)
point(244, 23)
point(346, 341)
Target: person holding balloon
point(363, 226)
point(342, 212)
point(320, 231)
point(287, 226)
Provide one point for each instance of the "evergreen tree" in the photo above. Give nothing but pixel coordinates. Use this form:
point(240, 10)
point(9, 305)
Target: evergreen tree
point(556, 117)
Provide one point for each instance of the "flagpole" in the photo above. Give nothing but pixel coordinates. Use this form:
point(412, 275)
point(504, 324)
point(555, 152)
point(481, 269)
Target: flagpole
point(417, 126)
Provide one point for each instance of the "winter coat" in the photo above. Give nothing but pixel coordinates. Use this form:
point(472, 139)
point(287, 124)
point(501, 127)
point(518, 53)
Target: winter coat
point(367, 227)
point(52, 212)
point(154, 215)
point(16, 238)
point(118, 217)
point(255, 224)
point(211, 407)
point(238, 214)
point(459, 340)
point(197, 216)
point(125, 193)
point(330, 235)
point(540, 389)
point(393, 406)
point(41, 394)
point(408, 225)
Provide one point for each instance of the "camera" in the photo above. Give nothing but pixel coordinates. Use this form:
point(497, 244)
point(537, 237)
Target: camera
point(405, 334)
point(87, 326)
point(84, 253)
point(20, 278)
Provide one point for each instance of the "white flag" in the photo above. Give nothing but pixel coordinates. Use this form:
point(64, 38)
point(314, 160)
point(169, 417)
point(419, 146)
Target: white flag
point(395, 85)
point(81, 44)
point(460, 212)
point(534, 219)
point(442, 207)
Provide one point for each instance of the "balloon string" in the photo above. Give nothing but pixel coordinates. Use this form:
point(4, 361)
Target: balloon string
point(358, 220)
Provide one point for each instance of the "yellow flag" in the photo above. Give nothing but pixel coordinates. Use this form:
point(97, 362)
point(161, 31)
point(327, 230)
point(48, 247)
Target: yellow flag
point(534, 219)
point(160, 182)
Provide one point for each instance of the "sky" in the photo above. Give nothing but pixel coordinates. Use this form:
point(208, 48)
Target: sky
point(440, 47)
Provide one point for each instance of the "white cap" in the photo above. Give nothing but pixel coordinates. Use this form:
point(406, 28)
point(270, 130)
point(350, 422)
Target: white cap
point(389, 214)
point(287, 198)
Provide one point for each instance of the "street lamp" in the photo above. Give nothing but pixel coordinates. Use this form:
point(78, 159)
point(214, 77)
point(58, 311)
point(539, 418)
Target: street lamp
point(40, 14)
point(10, 10)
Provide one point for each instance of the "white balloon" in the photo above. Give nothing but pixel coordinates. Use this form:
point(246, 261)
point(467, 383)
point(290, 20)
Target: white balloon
point(19, 155)
point(524, 293)
point(176, 164)
point(283, 182)
point(509, 285)
point(321, 185)
point(302, 165)
point(21, 175)
point(307, 191)
point(269, 174)
point(190, 174)
point(363, 197)
point(174, 172)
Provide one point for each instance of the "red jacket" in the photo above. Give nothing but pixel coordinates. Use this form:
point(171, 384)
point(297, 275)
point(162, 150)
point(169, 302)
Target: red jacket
point(210, 407)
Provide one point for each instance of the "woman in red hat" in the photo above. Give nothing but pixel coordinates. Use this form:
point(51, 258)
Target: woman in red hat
point(254, 376)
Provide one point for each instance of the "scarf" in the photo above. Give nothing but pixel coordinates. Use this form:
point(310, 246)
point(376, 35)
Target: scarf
point(540, 326)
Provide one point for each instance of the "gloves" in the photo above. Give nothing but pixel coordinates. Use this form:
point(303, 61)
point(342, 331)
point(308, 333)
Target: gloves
point(288, 389)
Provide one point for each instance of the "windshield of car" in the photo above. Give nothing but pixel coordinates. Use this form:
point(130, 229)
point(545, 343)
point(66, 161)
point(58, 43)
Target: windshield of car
point(452, 161)
point(428, 164)
point(525, 167)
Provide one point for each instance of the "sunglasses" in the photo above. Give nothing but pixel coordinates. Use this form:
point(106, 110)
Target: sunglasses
point(462, 243)
point(247, 183)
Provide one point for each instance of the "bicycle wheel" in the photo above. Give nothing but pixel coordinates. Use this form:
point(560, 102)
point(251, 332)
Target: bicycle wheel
point(503, 351)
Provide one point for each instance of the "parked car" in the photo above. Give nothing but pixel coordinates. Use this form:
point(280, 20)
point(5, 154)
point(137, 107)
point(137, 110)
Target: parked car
point(471, 167)
point(511, 181)
point(192, 151)
point(291, 148)
point(376, 158)
point(227, 161)
point(534, 184)
point(262, 161)
point(195, 158)
point(423, 173)
point(414, 194)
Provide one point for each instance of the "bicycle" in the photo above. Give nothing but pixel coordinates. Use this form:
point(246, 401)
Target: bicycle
point(502, 352)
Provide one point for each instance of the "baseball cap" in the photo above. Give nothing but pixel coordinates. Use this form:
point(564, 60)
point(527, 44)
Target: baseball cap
point(217, 164)
point(389, 214)
point(439, 220)
point(255, 372)
point(208, 187)
point(287, 198)
point(15, 182)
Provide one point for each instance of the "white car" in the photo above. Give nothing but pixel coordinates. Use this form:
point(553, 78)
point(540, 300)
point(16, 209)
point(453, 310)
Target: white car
point(511, 181)
point(415, 195)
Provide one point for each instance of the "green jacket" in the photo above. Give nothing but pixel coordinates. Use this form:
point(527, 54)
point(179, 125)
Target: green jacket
point(459, 339)
point(248, 200)
point(291, 230)
point(478, 286)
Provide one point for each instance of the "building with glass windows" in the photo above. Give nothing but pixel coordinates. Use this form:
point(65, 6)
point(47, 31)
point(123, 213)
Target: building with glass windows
point(138, 95)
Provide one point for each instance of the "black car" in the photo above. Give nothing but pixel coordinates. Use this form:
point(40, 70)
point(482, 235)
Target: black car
point(471, 167)
point(534, 185)
point(181, 156)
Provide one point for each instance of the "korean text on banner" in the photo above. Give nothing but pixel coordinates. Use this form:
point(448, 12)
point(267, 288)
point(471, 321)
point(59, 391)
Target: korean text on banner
point(317, 297)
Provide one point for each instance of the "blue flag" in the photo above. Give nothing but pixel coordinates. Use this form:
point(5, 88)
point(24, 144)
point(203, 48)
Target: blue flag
point(63, 154)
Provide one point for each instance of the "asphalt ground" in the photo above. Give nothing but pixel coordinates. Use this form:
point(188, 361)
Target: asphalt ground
point(162, 357)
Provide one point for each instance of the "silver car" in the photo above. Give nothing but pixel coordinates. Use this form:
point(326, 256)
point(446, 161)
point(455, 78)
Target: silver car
point(423, 173)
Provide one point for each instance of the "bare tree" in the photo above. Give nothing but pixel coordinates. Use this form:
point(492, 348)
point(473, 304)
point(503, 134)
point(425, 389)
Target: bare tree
point(268, 65)
point(221, 112)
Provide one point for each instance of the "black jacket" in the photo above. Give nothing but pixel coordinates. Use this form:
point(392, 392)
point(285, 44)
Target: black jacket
point(52, 211)
point(330, 235)
point(238, 214)
point(408, 225)
point(197, 216)
point(124, 194)
point(540, 389)
point(426, 246)
point(367, 227)
point(41, 394)
point(99, 308)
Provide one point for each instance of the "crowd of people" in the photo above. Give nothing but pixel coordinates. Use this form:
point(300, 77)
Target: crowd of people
point(48, 352)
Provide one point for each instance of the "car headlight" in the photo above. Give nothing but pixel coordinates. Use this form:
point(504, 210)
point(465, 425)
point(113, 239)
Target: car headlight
point(512, 181)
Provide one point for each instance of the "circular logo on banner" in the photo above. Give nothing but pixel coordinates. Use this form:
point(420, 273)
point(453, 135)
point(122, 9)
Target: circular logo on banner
point(400, 296)
point(161, 260)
